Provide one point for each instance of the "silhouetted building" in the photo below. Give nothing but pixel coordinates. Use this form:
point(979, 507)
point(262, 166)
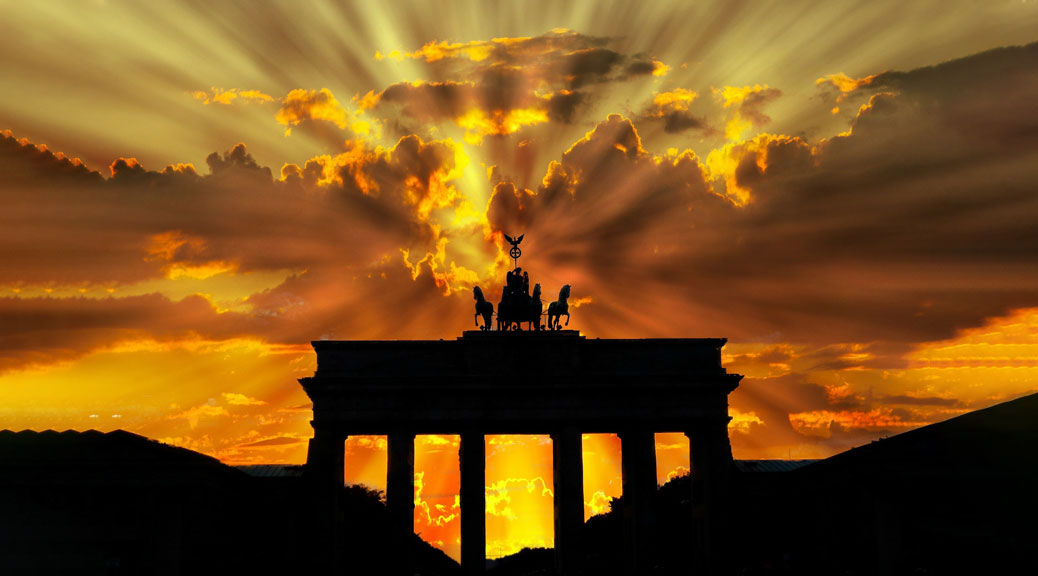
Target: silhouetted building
point(553, 382)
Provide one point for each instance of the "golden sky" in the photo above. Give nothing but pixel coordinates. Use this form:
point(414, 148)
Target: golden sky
point(192, 192)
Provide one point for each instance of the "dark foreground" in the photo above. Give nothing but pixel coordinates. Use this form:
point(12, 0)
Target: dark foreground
point(952, 498)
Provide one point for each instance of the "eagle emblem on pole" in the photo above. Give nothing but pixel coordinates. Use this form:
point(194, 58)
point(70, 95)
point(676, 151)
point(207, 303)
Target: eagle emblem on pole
point(515, 252)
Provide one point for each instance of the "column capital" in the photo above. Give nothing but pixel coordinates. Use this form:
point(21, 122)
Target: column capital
point(635, 431)
point(329, 429)
point(707, 425)
point(566, 432)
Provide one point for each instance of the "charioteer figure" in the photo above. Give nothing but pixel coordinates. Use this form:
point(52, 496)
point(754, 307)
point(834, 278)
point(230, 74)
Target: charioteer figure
point(518, 305)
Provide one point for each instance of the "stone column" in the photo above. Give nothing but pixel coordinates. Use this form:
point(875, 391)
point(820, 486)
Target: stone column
point(710, 458)
point(324, 456)
point(638, 455)
point(324, 466)
point(568, 464)
point(472, 456)
point(400, 498)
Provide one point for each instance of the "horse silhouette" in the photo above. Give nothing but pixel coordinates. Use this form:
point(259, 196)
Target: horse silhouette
point(536, 307)
point(504, 310)
point(483, 308)
point(558, 308)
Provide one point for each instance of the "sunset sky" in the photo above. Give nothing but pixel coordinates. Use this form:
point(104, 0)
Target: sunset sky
point(191, 192)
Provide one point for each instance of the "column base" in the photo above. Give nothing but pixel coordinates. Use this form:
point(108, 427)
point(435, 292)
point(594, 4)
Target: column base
point(638, 455)
point(568, 464)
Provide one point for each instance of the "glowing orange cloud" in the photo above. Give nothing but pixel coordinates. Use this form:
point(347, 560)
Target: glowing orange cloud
point(677, 99)
point(740, 164)
point(877, 101)
point(845, 83)
point(468, 106)
point(1010, 342)
point(548, 78)
point(301, 105)
point(182, 254)
point(193, 415)
point(734, 95)
point(227, 97)
point(252, 417)
point(518, 484)
point(744, 104)
point(419, 180)
point(478, 123)
point(186, 169)
point(743, 423)
point(820, 422)
point(672, 107)
point(602, 472)
point(476, 50)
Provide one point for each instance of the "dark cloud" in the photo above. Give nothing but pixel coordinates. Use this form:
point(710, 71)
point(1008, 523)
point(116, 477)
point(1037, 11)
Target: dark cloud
point(752, 107)
point(605, 191)
point(45, 330)
point(127, 168)
point(510, 209)
point(614, 217)
point(677, 121)
point(431, 101)
point(237, 160)
point(641, 67)
point(561, 58)
point(22, 162)
point(554, 73)
point(128, 172)
point(966, 78)
point(337, 242)
point(914, 205)
point(562, 106)
point(587, 65)
point(916, 224)
point(99, 231)
point(673, 110)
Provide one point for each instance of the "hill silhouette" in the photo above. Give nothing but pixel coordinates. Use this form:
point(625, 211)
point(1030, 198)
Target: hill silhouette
point(115, 503)
point(956, 497)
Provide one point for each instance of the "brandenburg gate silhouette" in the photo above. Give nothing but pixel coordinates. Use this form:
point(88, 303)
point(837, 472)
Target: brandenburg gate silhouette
point(511, 381)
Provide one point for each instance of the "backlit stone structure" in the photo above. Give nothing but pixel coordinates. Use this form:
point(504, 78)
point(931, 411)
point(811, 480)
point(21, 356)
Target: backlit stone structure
point(530, 382)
